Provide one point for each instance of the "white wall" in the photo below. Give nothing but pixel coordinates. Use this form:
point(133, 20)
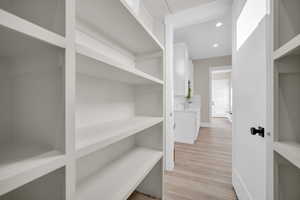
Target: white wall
point(5, 101)
point(201, 81)
point(100, 101)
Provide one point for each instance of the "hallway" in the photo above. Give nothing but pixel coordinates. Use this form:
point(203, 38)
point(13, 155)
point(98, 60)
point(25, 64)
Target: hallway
point(203, 170)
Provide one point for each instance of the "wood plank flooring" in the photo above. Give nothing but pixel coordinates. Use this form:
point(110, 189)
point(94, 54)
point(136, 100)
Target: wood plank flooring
point(203, 170)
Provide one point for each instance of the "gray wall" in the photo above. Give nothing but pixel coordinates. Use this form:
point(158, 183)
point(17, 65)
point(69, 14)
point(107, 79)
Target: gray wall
point(201, 80)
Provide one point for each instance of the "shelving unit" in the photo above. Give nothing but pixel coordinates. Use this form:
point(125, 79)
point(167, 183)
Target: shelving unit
point(50, 186)
point(81, 100)
point(18, 24)
point(119, 103)
point(286, 63)
point(21, 164)
point(49, 15)
point(289, 150)
point(93, 138)
point(31, 119)
point(290, 48)
point(123, 26)
point(137, 163)
point(110, 69)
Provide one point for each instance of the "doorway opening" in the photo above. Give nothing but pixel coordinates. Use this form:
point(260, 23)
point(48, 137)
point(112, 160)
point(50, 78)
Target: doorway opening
point(220, 92)
point(201, 73)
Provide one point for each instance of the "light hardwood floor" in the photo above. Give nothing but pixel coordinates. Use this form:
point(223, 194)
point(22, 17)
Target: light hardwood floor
point(202, 170)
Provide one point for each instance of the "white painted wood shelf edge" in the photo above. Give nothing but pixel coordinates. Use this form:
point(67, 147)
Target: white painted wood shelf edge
point(287, 48)
point(93, 138)
point(119, 179)
point(21, 164)
point(142, 24)
point(23, 26)
point(89, 52)
point(288, 150)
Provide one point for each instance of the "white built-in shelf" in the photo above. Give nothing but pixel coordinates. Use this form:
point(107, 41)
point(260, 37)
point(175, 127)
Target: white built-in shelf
point(291, 47)
point(18, 24)
point(91, 139)
point(109, 69)
point(14, 44)
point(20, 164)
point(152, 36)
point(114, 18)
point(289, 150)
point(114, 79)
point(120, 178)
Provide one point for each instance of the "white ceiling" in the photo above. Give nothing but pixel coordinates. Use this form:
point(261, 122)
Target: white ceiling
point(157, 8)
point(200, 38)
point(179, 5)
point(160, 8)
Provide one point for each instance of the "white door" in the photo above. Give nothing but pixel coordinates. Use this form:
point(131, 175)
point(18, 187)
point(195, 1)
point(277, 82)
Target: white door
point(249, 73)
point(220, 97)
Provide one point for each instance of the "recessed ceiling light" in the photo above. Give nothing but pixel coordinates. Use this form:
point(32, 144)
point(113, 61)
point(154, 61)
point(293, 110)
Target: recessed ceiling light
point(216, 45)
point(219, 24)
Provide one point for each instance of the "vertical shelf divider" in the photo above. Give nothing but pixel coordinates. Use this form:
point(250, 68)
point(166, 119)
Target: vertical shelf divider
point(70, 81)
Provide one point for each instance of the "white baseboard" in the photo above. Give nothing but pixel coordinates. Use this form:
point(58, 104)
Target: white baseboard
point(185, 140)
point(240, 187)
point(205, 124)
point(170, 166)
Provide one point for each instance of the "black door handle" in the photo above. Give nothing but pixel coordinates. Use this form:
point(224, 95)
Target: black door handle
point(260, 131)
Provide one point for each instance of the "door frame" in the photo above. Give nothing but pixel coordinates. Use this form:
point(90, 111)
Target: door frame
point(182, 19)
point(211, 70)
point(271, 117)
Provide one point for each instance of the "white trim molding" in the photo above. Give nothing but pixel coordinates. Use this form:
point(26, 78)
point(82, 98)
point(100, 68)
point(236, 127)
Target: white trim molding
point(169, 101)
point(240, 187)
